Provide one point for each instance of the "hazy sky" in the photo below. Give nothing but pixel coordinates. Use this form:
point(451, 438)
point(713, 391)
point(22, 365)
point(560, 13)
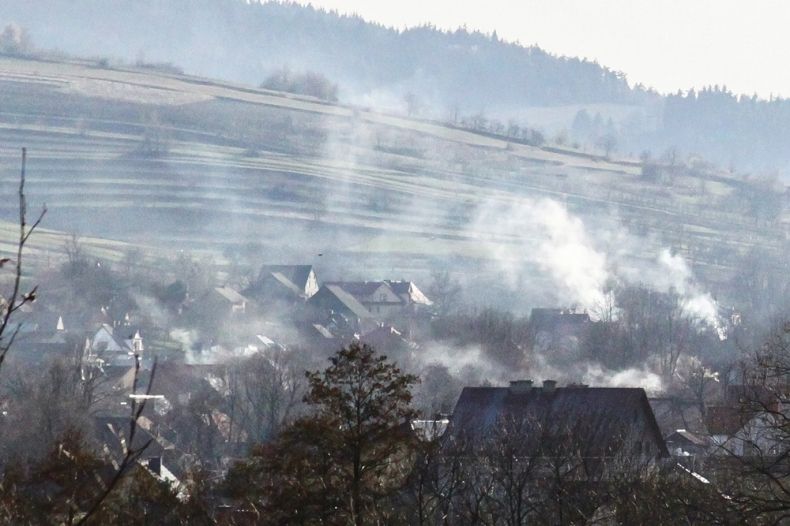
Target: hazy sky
point(667, 44)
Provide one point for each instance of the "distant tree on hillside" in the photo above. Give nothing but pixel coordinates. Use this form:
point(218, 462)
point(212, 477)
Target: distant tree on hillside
point(308, 83)
point(607, 143)
point(14, 40)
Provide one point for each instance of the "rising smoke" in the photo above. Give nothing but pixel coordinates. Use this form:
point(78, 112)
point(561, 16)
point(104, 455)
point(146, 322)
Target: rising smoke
point(543, 234)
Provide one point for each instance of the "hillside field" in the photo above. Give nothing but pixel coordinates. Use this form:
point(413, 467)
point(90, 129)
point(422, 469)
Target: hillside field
point(144, 158)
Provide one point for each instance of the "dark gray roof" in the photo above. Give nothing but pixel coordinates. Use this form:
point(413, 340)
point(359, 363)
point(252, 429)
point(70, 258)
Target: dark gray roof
point(230, 295)
point(296, 274)
point(335, 298)
point(323, 331)
point(547, 319)
point(348, 301)
point(359, 288)
point(681, 435)
point(600, 418)
point(114, 433)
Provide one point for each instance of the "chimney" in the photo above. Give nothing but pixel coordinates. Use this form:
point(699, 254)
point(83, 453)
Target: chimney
point(520, 386)
point(549, 386)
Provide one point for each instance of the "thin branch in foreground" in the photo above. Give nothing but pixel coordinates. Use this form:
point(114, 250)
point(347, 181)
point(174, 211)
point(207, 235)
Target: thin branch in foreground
point(132, 454)
point(17, 299)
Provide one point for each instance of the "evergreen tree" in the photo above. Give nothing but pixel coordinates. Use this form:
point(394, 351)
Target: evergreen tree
point(344, 462)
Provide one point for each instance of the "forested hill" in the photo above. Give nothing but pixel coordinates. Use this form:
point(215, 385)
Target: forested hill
point(244, 42)
point(420, 71)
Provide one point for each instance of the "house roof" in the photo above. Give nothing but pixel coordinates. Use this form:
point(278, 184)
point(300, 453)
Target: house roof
point(385, 336)
point(681, 435)
point(598, 417)
point(360, 288)
point(114, 433)
point(296, 274)
point(673, 413)
point(548, 319)
point(123, 344)
point(409, 292)
point(274, 285)
point(323, 331)
point(281, 279)
point(334, 293)
point(230, 295)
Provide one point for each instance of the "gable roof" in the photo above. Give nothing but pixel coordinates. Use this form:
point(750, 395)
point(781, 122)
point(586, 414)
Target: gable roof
point(549, 319)
point(349, 302)
point(673, 413)
point(230, 294)
point(323, 331)
point(409, 292)
point(361, 288)
point(121, 344)
point(681, 435)
point(281, 279)
point(114, 431)
point(296, 274)
point(335, 298)
point(598, 417)
point(275, 286)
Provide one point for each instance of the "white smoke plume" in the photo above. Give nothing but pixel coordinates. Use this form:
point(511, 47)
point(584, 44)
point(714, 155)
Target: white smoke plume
point(543, 235)
point(696, 302)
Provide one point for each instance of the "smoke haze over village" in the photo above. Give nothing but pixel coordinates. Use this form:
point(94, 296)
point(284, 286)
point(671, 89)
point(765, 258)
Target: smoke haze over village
point(345, 262)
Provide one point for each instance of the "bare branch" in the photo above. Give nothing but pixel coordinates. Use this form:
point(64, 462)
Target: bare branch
point(132, 454)
point(17, 299)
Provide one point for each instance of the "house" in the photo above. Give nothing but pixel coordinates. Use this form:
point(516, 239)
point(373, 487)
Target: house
point(723, 422)
point(430, 429)
point(229, 300)
point(115, 346)
point(386, 298)
point(742, 434)
point(684, 443)
point(114, 434)
point(594, 423)
point(558, 330)
point(673, 413)
point(553, 320)
point(750, 428)
point(343, 312)
point(388, 340)
point(411, 296)
point(283, 283)
point(377, 296)
point(318, 337)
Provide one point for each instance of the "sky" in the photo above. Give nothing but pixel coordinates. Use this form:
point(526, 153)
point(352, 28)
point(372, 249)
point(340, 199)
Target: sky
point(664, 44)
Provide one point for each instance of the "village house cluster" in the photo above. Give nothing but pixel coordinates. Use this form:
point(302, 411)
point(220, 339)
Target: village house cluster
point(287, 306)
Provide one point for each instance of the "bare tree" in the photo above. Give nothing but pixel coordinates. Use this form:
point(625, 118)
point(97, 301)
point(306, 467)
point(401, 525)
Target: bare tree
point(757, 473)
point(17, 298)
point(265, 391)
point(131, 452)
